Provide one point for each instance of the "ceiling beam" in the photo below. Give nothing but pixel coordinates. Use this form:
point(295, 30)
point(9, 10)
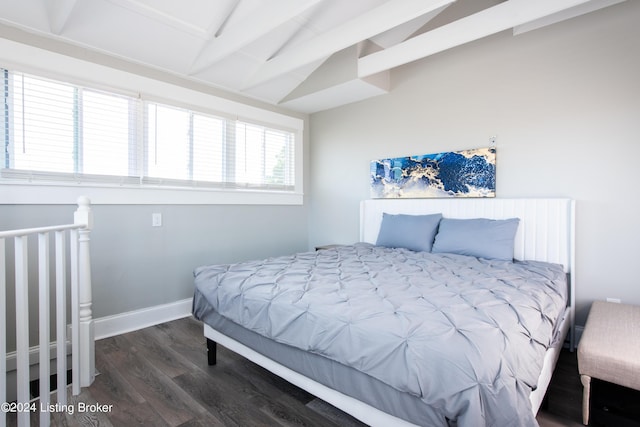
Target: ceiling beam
point(401, 33)
point(582, 9)
point(58, 12)
point(162, 17)
point(218, 22)
point(473, 27)
point(336, 83)
point(265, 19)
point(389, 15)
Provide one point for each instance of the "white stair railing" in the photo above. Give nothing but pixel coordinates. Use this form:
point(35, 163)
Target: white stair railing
point(82, 335)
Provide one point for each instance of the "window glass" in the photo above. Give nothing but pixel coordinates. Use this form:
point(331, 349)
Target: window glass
point(208, 149)
point(106, 136)
point(43, 131)
point(168, 142)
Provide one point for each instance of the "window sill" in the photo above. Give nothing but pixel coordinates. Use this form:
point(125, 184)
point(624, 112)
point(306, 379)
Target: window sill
point(58, 194)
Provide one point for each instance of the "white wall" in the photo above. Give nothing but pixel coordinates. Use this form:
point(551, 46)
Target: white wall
point(564, 102)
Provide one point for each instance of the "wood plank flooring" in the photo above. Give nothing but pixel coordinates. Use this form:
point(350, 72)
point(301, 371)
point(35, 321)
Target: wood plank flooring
point(159, 376)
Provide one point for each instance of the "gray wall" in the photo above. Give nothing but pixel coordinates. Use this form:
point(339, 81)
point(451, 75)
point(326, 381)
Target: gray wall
point(136, 266)
point(562, 100)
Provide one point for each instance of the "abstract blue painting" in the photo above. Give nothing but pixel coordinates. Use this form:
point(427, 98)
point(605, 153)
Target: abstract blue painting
point(467, 173)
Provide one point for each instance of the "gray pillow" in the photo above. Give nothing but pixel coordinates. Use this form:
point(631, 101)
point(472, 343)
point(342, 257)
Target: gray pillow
point(415, 232)
point(479, 237)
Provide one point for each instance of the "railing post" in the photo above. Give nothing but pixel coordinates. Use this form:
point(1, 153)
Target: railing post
point(84, 216)
point(22, 326)
point(3, 333)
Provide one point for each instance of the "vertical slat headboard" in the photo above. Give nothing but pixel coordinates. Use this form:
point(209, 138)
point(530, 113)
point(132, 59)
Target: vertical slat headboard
point(545, 233)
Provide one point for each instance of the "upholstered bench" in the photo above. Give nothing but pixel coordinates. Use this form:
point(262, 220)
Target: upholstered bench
point(609, 349)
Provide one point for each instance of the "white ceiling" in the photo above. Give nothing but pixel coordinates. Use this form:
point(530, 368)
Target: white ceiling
point(305, 55)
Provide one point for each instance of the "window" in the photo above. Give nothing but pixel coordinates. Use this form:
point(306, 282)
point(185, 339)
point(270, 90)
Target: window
point(263, 155)
point(59, 132)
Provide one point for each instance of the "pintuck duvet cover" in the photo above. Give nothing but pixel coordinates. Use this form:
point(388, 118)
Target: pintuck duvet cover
point(464, 335)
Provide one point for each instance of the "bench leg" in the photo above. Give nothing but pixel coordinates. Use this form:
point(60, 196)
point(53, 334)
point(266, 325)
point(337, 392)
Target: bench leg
point(586, 395)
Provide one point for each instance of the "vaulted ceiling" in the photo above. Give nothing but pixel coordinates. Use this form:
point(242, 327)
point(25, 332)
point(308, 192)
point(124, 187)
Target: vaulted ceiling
point(305, 55)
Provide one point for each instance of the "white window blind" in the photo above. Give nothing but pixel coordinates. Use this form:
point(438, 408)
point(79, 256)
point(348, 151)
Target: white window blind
point(42, 135)
point(263, 155)
point(108, 134)
point(54, 131)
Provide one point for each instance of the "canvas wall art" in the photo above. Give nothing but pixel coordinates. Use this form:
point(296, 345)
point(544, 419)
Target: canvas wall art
point(467, 173)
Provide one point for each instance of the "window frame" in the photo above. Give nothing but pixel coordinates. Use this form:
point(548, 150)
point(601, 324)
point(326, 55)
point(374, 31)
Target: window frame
point(188, 95)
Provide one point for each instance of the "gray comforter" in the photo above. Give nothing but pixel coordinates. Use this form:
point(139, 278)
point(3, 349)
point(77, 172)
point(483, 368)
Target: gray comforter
point(467, 336)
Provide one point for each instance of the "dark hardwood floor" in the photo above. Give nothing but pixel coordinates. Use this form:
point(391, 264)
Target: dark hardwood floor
point(159, 376)
point(563, 402)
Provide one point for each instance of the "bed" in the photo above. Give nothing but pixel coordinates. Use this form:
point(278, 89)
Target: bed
point(399, 336)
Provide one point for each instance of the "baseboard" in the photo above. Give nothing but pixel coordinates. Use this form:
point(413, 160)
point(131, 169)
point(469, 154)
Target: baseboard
point(117, 324)
point(105, 327)
point(34, 355)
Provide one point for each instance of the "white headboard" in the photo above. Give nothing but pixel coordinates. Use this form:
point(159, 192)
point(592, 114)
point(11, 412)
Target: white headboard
point(545, 233)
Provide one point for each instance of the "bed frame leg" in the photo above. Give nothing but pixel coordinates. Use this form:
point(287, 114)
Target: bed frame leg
point(211, 352)
point(545, 402)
